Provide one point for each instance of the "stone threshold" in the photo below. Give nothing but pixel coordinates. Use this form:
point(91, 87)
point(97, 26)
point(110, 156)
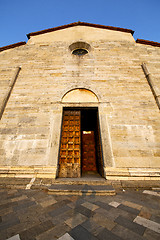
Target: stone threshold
point(82, 180)
point(81, 189)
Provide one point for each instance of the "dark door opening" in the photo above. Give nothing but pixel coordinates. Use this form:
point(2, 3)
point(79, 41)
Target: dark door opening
point(88, 131)
point(91, 160)
point(89, 143)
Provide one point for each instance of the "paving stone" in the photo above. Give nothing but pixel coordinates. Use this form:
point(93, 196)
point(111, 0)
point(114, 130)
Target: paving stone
point(130, 197)
point(66, 236)
point(119, 212)
point(32, 211)
point(80, 233)
point(8, 205)
point(157, 194)
point(45, 198)
point(73, 198)
point(63, 216)
point(6, 211)
point(129, 209)
point(151, 211)
point(103, 205)
point(90, 206)
point(4, 235)
point(148, 223)
point(19, 198)
point(80, 200)
point(32, 232)
point(75, 220)
point(16, 237)
point(96, 198)
point(64, 201)
point(48, 202)
point(92, 227)
point(9, 216)
point(24, 204)
point(33, 215)
point(13, 199)
point(62, 198)
point(107, 235)
point(144, 214)
point(72, 205)
point(58, 211)
point(76, 203)
point(35, 194)
point(155, 218)
point(130, 225)
point(18, 228)
point(111, 214)
point(13, 191)
point(9, 222)
point(104, 222)
point(54, 233)
point(85, 211)
point(125, 233)
point(144, 200)
point(52, 207)
point(114, 204)
point(132, 205)
point(150, 235)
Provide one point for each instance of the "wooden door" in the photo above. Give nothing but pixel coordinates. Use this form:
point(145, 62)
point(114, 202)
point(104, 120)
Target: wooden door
point(70, 148)
point(88, 151)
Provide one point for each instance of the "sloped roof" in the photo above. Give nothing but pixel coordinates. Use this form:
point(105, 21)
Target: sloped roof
point(79, 24)
point(12, 46)
point(147, 42)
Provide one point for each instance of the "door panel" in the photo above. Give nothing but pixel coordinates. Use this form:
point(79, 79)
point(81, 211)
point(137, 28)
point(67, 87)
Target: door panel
point(70, 148)
point(88, 151)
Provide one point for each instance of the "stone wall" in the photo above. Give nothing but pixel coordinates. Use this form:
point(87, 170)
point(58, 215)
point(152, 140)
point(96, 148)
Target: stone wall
point(129, 117)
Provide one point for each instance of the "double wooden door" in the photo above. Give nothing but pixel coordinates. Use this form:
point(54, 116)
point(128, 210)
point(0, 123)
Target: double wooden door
point(70, 148)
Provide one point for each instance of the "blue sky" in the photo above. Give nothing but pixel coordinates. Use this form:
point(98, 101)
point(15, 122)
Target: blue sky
point(19, 17)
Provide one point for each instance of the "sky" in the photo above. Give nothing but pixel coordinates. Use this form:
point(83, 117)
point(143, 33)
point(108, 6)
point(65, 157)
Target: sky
point(19, 17)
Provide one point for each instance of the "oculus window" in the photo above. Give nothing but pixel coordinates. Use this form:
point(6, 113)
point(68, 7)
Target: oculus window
point(79, 52)
point(79, 48)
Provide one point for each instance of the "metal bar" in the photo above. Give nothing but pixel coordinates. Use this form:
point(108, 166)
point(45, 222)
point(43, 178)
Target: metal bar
point(155, 90)
point(9, 90)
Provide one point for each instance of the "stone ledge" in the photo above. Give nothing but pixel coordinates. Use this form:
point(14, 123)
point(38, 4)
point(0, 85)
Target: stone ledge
point(28, 172)
point(132, 173)
point(147, 184)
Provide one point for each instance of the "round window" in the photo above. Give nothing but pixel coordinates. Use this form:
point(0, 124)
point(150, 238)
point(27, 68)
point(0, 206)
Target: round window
point(79, 48)
point(80, 52)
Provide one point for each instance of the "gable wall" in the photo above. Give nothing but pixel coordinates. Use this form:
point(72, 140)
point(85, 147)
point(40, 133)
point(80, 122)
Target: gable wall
point(81, 32)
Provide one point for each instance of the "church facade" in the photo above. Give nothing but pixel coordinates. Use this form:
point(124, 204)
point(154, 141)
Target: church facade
point(80, 98)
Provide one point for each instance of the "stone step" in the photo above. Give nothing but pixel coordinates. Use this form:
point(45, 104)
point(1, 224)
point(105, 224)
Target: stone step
point(84, 180)
point(81, 189)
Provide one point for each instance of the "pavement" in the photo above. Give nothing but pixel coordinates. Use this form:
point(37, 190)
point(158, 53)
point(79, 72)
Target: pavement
point(33, 214)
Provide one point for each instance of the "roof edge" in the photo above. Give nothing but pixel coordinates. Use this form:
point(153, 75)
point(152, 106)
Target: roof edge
point(79, 24)
point(12, 46)
point(147, 42)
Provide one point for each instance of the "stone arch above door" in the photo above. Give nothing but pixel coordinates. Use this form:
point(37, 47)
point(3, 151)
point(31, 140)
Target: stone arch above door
point(80, 95)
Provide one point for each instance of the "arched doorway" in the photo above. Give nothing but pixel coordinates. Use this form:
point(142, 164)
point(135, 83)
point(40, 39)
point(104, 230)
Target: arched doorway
point(80, 146)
